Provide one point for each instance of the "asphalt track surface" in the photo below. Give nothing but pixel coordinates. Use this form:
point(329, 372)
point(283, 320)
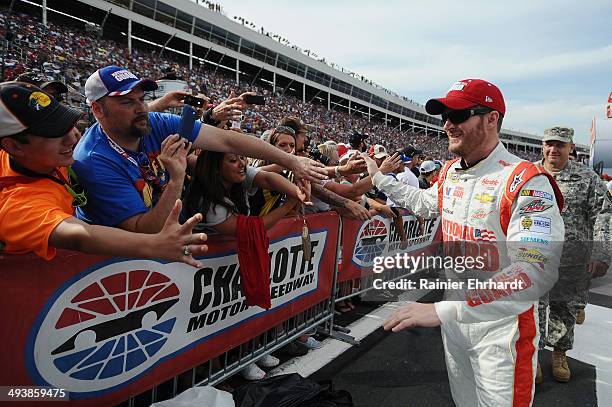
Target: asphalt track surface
point(407, 369)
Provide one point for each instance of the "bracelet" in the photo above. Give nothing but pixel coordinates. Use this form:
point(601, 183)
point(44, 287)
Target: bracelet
point(337, 171)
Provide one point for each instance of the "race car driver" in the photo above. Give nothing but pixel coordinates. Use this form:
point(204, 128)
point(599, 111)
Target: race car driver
point(485, 199)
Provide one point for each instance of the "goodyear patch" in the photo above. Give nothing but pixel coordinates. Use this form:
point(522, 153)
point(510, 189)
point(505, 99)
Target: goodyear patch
point(536, 224)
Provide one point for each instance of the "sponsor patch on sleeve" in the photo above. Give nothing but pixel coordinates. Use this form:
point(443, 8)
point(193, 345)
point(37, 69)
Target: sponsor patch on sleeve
point(536, 224)
point(532, 239)
point(531, 256)
point(536, 194)
point(536, 205)
point(517, 180)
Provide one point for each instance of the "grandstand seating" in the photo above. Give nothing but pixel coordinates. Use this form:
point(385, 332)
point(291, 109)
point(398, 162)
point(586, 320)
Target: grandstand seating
point(70, 54)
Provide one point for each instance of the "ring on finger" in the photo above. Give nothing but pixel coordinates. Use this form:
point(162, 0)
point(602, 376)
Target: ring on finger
point(186, 250)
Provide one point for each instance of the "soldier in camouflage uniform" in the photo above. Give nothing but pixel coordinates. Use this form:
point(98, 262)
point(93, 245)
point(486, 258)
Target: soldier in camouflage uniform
point(586, 213)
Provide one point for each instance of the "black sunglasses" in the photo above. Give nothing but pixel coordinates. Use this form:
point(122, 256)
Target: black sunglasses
point(460, 116)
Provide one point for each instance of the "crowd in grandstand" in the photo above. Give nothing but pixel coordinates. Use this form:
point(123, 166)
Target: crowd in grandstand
point(68, 54)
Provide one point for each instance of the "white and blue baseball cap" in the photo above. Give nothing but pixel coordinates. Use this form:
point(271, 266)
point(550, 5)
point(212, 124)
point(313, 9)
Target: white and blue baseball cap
point(427, 166)
point(114, 81)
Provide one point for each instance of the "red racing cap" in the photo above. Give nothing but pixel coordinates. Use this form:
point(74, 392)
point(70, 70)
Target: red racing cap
point(468, 93)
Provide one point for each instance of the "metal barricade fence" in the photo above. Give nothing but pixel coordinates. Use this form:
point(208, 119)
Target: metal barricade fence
point(319, 316)
point(360, 283)
point(363, 285)
point(217, 370)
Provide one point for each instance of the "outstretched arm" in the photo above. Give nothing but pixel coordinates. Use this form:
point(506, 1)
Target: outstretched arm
point(276, 182)
point(174, 242)
point(229, 226)
point(345, 207)
point(215, 139)
point(420, 201)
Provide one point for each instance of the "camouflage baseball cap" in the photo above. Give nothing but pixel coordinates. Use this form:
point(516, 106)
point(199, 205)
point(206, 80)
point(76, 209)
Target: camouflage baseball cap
point(565, 134)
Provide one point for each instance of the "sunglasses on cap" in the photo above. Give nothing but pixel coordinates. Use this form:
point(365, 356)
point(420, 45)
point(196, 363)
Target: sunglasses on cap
point(285, 129)
point(460, 116)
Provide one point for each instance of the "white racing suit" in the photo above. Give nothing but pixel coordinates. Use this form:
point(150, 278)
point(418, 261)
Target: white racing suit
point(507, 210)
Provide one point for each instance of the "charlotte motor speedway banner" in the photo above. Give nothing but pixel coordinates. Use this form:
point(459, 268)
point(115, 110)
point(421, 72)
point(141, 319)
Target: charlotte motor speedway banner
point(364, 241)
point(105, 329)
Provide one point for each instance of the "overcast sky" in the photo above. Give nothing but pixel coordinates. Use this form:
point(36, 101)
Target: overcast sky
point(552, 60)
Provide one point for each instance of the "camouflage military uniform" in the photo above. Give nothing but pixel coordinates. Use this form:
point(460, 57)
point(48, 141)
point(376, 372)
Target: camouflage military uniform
point(602, 244)
point(586, 213)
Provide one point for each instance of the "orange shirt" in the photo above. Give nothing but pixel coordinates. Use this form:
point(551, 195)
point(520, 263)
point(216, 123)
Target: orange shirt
point(29, 213)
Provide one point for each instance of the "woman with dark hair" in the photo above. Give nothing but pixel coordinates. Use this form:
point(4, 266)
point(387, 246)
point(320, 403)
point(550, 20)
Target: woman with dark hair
point(220, 189)
point(221, 186)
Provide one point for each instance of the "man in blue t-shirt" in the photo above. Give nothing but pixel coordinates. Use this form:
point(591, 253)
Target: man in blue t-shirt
point(132, 163)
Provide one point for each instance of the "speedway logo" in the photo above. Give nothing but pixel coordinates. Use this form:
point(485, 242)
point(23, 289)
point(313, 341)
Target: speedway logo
point(119, 320)
point(378, 237)
point(372, 241)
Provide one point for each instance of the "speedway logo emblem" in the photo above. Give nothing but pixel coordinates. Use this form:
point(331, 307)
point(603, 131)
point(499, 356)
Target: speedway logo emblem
point(117, 321)
point(372, 241)
point(379, 237)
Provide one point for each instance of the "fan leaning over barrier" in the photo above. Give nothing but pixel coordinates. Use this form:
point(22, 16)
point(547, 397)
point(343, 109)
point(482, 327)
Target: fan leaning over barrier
point(38, 190)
